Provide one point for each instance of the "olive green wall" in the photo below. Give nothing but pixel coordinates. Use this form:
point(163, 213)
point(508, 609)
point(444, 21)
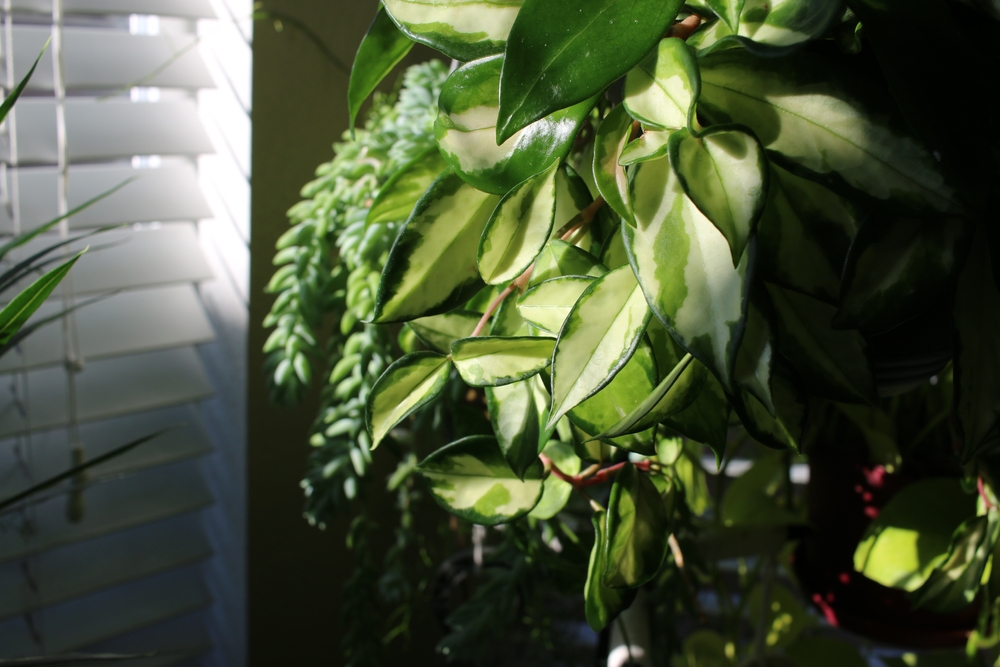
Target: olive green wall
point(295, 572)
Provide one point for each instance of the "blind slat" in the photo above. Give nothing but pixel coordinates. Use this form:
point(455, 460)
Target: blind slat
point(193, 9)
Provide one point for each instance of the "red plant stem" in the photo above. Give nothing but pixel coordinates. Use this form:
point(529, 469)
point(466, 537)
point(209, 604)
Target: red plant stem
point(587, 477)
point(492, 309)
point(982, 493)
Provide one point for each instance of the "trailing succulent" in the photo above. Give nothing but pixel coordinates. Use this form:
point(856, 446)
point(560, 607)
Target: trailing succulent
point(644, 227)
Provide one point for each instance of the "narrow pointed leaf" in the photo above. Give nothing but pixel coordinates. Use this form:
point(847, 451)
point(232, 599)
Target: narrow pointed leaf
point(381, 49)
point(977, 352)
point(685, 268)
point(493, 361)
point(432, 265)
point(638, 528)
point(465, 130)
point(406, 386)
point(517, 413)
point(556, 58)
point(662, 90)
point(471, 479)
point(783, 429)
point(815, 118)
point(396, 199)
point(724, 172)
point(547, 304)
point(518, 229)
point(651, 145)
point(609, 175)
point(440, 331)
point(9, 101)
point(598, 338)
point(556, 492)
point(833, 363)
point(706, 420)
point(602, 604)
point(656, 407)
point(461, 29)
point(559, 258)
point(16, 313)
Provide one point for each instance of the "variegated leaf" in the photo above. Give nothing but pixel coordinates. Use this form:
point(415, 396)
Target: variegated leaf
point(602, 604)
point(461, 29)
point(396, 199)
point(466, 131)
point(662, 90)
point(609, 175)
point(517, 413)
point(727, 10)
point(559, 258)
point(954, 585)
point(432, 265)
point(651, 145)
point(471, 479)
point(685, 268)
point(813, 116)
point(547, 304)
point(787, 22)
point(668, 398)
point(519, 228)
point(613, 252)
point(724, 172)
point(508, 322)
point(493, 361)
point(638, 529)
point(706, 420)
point(406, 386)
point(556, 492)
point(599, 336)
point(440, 331)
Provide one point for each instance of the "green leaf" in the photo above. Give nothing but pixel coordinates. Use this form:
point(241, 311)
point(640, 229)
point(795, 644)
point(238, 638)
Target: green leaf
point(600, 335)
point(910, 537)
point(396, 199)
point(440, 331)
point(602, 604)
point(662, 90)
point(688, 471)
point(461, 29)
point(668, 398)
point(804, 235)
point(833, 363)
point(9, 101)
point(895, 268)
point(612, 136)
point(517, 413)
point(771, 27)
point(556, 58)
point(686, 270)
point(16, 313)
point(471, 479)
point(724, 172)
point(556, 492)
point(465, 131)
point(508, 322)
point(613, 253)
point(755, 358)
point(816, 118)
point(706, 420)
point(752, 498)
point(954, 584)
point(638, 528)
point(432, 265)
point(559, 258)
point(519, 228)
point(547, 304)
point(406, 386)
point(977, 349)
point(727, 10)
point(381, 49)
point(785, 427)
point(493, 361)
point(651, 145)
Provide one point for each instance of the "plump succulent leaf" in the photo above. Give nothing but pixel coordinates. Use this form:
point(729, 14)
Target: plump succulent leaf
point(460, 29)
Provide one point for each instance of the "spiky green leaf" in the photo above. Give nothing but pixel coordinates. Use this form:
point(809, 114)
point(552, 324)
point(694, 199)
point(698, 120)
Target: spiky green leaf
point(16, 313)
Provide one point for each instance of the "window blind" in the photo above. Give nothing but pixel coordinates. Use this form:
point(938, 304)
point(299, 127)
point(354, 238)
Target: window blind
point(151, 557)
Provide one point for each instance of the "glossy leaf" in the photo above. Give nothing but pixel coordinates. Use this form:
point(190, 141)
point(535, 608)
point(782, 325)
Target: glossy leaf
point(488, 361)
point(556, 492)
point(814, 117)
point(953, 586)
point(727, 10)
point(651, 145)
point(804, 235)
point(664, 401)
point(547, 304)
point(724, 172)
point(977, 350)
point(559, 258)
point(706, 420)
point(783, 429)
point(602, 604)
point(432, 265)
point(771, 27)
point(599, 336)
point(16, 313)
point(396, 199)
point(833, 363)
point(406, 386)
point(461, 29)
point(508, 322)
point(662, 90)
point(638, 528)
point(912, 533)
point(518, 229)
point(612, 136)
point(517, 413)
point(440, 331)
point(686, 271)
point(471, 479)
point(381, 49)
point(895, 268)
point(556, 58)
point(465, 130)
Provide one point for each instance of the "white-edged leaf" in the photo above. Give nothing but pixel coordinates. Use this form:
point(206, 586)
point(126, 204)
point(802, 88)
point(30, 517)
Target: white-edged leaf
point(650, 145)
point(396, 199)
point(559, 258)
point(609, 175)
point(547, 304)
point(727, 10)
point(656, 407)
point(406, 386)
point(493, 361)
point(556, 492)
point(661, 90)
point(440, 331)
point(461, 29)
point(517, 413)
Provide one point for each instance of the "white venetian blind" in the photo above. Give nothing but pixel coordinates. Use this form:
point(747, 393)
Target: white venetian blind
point(156, 91)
